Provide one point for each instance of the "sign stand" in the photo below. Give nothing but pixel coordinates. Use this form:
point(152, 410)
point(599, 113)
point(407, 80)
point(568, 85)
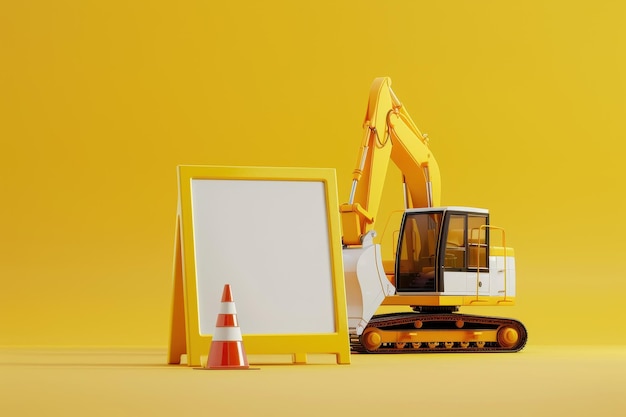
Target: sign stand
point(274, 235)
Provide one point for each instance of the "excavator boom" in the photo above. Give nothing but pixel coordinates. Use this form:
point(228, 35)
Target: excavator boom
point(389, 134)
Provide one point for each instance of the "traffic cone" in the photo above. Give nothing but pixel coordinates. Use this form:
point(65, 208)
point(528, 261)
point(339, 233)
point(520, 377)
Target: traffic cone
point(227, 350)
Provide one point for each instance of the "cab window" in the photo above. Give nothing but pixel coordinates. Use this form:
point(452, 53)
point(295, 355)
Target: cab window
point(454, 258)
point(466, 242)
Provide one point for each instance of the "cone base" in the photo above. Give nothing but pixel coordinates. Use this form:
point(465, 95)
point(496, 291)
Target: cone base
point(227, 368)
point(227, 355)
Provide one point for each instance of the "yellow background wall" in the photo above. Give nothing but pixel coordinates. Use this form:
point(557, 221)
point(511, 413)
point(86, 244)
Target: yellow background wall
point(100, 101)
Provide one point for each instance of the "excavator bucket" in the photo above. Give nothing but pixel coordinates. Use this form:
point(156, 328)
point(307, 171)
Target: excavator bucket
point(366, 283)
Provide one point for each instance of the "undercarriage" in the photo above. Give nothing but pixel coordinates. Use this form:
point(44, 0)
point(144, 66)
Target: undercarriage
point(439, 332)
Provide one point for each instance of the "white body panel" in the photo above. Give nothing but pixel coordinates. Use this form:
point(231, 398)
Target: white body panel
point(496, 270)
point(491, 284)
point(464, 283)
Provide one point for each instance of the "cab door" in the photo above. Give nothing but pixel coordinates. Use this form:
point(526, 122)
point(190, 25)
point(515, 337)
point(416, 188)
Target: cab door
point(464, 262)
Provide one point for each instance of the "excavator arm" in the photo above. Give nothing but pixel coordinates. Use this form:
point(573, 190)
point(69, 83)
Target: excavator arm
point(389, 134)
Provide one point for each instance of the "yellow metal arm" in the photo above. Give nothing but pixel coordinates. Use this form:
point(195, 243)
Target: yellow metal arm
point(389, 134)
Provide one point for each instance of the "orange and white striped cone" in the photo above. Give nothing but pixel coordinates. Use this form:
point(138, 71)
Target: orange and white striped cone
point(227, 350)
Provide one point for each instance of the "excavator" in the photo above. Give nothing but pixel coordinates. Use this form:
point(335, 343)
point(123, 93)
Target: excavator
point(445, 257)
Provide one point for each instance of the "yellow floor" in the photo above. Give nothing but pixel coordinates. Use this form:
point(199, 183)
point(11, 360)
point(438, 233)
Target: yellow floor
point(539, 381)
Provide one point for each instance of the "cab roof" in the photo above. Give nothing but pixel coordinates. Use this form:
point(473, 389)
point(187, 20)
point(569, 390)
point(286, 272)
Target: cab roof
point(448, 208)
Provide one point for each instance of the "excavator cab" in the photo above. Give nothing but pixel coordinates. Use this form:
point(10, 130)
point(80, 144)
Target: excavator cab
point(443, 250)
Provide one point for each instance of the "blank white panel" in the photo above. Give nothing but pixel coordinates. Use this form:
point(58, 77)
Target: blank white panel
point(270, 240)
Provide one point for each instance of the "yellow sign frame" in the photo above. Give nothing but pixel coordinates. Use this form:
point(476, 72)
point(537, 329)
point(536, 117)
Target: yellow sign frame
point(185, 335)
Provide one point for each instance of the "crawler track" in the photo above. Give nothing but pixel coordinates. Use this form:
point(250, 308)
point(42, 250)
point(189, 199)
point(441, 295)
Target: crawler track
point(439, 332)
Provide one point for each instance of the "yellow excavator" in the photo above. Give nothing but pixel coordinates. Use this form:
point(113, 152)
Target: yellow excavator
point(445, 257)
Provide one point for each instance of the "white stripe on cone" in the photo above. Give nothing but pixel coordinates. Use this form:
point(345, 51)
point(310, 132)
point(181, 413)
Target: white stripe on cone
point(227, 334)
point(228, 307)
